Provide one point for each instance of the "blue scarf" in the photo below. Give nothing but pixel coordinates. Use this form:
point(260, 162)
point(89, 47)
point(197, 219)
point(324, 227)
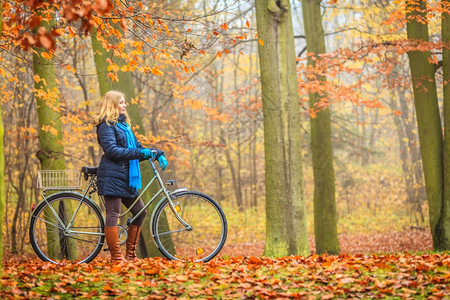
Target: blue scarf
point(134, 170)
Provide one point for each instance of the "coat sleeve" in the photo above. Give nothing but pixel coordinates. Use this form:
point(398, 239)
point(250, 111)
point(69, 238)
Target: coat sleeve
point(107, 140)
point(138, 145)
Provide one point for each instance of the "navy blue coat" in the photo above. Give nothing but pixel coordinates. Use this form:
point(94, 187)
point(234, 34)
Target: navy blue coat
point(113, 171)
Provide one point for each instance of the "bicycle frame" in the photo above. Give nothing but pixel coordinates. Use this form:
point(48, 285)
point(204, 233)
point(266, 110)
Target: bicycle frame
point(162, 190)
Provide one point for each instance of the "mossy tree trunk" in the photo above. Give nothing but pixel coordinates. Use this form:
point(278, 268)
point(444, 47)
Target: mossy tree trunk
point(286, 232)
point(325, 217)
point(443, 226)
point(2, 186)
point(2, 164)
point(126, 86)
point(51, 152)
point(429, 125)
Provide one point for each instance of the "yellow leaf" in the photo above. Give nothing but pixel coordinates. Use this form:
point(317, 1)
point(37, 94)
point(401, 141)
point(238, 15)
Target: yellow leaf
point(121, 45)
point(261, 42)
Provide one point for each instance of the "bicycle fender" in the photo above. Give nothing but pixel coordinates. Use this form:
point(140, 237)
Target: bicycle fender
point(175, 193)
point(67, 192)
point(153, 216)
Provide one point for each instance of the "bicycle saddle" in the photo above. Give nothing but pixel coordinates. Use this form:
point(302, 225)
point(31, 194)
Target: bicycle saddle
point(89, 170)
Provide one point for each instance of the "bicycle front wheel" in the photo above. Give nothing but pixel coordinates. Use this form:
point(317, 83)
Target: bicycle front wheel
point(206, 235)
point(64, 228)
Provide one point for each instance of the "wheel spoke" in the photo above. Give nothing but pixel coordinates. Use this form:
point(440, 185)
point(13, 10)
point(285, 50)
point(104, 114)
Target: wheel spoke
point(208, 232)
point(53, 242)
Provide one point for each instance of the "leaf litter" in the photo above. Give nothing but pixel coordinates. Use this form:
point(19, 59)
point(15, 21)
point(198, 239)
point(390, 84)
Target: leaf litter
point(324, 276)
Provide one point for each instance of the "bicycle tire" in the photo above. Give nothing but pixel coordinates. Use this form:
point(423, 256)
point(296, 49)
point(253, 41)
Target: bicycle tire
point(52, 243)
point(209, 228)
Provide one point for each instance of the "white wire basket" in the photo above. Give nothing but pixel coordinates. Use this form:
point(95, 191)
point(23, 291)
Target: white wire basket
point(58, 179)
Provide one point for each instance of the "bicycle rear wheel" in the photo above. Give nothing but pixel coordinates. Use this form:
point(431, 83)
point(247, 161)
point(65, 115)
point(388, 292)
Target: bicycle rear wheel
point(203, 241)
point(54, 240)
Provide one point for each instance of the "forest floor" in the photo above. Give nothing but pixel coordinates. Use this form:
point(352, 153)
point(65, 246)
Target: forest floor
point(417, 240)
point(393, 265)
point(385, 253)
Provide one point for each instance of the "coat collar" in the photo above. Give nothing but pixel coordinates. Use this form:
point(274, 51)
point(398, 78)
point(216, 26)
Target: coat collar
point(122, 118)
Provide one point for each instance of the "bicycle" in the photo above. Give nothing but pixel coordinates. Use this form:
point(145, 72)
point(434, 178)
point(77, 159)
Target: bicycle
point(68, 225)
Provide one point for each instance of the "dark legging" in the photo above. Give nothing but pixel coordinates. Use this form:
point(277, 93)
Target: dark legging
point(113, 206)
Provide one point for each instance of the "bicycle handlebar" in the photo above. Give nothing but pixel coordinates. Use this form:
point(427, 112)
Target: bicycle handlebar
point(154, 154)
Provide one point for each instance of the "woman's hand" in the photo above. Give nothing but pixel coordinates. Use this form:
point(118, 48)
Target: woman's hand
point(162, 162)
point(146, 153)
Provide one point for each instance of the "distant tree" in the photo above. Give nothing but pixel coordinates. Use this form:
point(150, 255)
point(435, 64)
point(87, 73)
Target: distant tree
point(286, 232)
point(325, 216)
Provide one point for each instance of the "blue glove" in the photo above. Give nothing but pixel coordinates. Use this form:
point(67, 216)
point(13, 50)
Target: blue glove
point(162, 162)
point(146, 153)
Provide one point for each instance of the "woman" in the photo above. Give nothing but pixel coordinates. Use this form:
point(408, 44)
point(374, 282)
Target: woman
point(119, 176)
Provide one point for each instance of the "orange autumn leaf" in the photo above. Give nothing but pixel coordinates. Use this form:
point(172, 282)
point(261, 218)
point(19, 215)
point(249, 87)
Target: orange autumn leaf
point(58, 32)
point(46, 55)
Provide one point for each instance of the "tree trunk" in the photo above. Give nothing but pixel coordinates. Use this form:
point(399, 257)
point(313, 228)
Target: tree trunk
point(51, 152)
point(253, 169)
point(286, 232)
point(409, 156)
point(238, 129)
point(325, 217)
point(363, 148)
point(212, 126)
point(233, 172)
point(252, 148)
point(428, 120)
point(443, 226)
point(126, 86)
point(2, 187)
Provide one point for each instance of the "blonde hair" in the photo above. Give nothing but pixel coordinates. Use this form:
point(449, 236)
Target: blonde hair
point(108, 109)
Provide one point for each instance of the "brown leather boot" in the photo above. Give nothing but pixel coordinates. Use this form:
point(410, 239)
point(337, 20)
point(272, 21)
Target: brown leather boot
point(133, 238)
point(112, 239)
